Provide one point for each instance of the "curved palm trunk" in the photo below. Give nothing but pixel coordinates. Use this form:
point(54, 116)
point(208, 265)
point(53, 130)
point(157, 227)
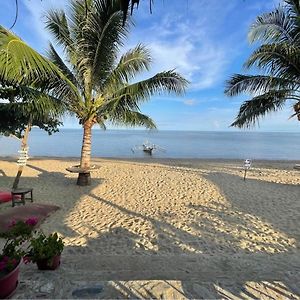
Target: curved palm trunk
point(23, 146)
point(84, 178)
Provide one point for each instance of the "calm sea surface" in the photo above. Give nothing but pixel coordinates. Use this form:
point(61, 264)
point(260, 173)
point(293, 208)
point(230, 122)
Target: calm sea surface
point(178, 144)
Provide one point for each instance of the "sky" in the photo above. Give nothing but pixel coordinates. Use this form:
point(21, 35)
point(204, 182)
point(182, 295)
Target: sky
point(204, 40)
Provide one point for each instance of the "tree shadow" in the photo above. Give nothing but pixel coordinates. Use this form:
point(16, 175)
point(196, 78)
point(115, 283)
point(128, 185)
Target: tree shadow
point(203, 272)
point(276, 208)
point(49, 185)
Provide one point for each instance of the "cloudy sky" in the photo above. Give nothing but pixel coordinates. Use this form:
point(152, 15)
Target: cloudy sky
point(205, 40)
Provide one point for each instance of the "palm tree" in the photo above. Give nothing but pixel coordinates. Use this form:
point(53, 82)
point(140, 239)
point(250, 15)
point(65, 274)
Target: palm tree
point(279, 60)
point(91, 37)
point(27, 91)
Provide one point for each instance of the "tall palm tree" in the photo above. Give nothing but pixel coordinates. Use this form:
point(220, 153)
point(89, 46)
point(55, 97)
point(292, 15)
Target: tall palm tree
point(279, 60)
point(91, 37)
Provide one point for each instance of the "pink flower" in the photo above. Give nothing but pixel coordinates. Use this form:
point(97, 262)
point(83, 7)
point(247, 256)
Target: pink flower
point(31, 221)
point(12, 223)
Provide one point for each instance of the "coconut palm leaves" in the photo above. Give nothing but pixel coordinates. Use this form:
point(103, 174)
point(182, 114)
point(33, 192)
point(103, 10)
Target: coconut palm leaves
point(91, 37)
point(27, 83)
point(279, 60)
point(20, 65)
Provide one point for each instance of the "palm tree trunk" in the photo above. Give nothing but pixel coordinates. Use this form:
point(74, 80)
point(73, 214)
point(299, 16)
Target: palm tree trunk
point(23, 146)
point(84, 177)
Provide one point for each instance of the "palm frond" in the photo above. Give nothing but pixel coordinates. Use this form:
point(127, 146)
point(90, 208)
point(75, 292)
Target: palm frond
point(104, 33)
point(56, 59)
point(279, 60)
point(100, 123)
point(163, 82)
point(131, 63)
point(79, 11)
point(251, 110)
point(21, 65)
point(57, 25)
point(256, 84)
point(30, 106)
point(9, 93)
point(37, 103)
point(275, 26)
point(131, 118)
point(129, 96)
point(293, 7)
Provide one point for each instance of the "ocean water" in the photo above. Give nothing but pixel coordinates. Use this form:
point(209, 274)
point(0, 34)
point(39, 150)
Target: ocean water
point(177, 144)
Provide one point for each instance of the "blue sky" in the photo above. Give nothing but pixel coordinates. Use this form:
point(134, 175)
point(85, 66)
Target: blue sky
point(205, 40)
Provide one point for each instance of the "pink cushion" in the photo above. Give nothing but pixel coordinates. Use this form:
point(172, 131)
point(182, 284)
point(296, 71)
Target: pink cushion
point(6, 196)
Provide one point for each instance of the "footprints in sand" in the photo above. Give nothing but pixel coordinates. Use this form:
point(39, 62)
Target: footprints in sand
point(147, 209)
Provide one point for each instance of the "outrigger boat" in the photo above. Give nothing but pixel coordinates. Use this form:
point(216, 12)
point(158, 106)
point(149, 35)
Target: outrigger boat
point(148, 147)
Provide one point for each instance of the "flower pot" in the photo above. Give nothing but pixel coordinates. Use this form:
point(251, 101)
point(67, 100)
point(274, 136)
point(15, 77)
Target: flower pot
point(9, 282)
point(45, 264)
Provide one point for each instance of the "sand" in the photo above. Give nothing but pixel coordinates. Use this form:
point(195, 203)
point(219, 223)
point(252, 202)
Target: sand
point(169, 228)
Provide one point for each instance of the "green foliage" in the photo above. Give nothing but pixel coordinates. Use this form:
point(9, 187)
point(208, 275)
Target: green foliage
point(19, 232)
point(19, 229)
point(45, 247)
point(21, 65)
point(278, 58)
point(13, 121)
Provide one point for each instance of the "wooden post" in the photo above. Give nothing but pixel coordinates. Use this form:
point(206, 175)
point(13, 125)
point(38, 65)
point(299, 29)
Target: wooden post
point(247, 165)
point(84, 179)
point(23, 147)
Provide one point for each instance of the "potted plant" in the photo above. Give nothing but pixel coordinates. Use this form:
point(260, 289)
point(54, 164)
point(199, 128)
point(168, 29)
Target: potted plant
point(45, 251)
point(11, 256)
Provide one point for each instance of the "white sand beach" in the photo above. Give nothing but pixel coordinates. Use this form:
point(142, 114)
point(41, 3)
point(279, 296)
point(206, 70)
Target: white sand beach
point(168, 228)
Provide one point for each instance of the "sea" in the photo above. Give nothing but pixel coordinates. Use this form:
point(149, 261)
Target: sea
point(171, 144)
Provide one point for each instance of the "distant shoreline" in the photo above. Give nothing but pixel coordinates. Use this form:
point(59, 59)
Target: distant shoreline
point(179, 162)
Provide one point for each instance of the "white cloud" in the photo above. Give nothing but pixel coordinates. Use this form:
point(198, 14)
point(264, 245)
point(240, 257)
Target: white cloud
point(188, 42)
point(203, 65)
